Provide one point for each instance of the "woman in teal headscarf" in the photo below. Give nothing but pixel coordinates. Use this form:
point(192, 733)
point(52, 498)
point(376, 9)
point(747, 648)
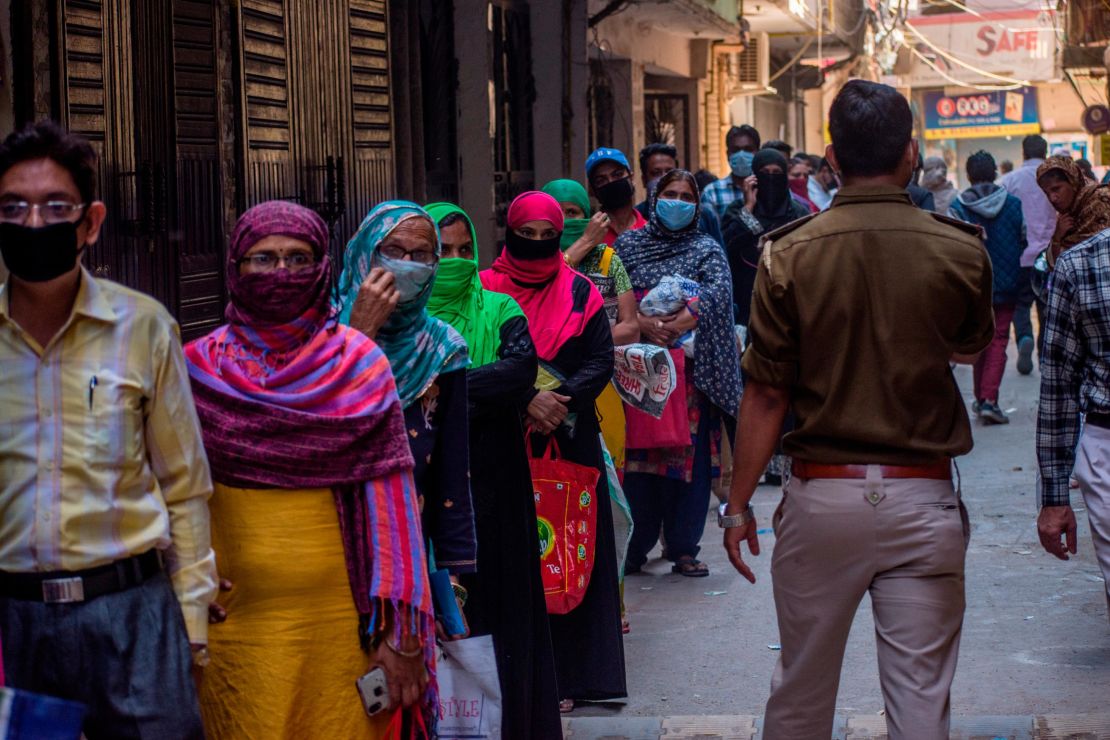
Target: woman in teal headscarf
point(506, 596)
point(388, 272)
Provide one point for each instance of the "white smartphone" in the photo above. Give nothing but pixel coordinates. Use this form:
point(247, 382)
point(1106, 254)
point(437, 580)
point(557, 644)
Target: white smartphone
point(374, 691)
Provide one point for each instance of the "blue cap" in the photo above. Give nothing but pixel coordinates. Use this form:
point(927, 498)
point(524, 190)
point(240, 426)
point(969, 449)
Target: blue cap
point(605, 154)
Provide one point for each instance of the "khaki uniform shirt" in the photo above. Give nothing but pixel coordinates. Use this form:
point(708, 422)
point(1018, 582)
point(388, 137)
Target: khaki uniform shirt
point(858, 311)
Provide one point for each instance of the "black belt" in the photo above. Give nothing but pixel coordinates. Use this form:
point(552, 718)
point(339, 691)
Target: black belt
point(68, 586)
point(1097, 419)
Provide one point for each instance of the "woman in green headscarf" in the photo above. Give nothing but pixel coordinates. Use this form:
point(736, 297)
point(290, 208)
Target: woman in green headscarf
point(584, 249)
point(505, 597)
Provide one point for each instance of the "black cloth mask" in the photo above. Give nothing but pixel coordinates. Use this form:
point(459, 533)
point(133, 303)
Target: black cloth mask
point(616, 194)
point(522, 248)
point(772, 198)
point(38, 255)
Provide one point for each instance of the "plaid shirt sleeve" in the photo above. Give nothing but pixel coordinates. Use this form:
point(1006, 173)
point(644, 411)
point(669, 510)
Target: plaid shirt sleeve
point(717, 197)
point(1062, 361)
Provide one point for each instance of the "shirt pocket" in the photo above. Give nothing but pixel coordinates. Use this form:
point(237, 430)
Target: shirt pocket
point(114, 420)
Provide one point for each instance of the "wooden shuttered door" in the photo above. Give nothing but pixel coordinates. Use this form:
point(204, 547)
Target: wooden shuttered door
point(139, 79)
point(315, 104)
point(94, 102)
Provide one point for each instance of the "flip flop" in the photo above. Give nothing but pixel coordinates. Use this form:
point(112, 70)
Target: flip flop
point(690, 567)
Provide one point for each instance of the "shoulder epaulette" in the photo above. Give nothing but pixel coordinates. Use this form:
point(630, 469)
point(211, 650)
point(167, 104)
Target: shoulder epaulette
point(782, 231)
point(766, 242)
point(964, 226)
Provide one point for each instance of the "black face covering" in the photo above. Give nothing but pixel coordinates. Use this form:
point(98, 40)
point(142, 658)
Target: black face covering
point(38, 255)
point(615, 194)
point(522, 248)
point(772, 196)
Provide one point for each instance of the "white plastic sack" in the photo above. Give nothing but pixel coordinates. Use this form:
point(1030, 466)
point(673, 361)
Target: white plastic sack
point(668, 297)
point(469, 690)
point(644, 377)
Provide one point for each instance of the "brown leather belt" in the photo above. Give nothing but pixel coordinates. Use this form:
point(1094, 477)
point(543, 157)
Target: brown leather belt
point(940, 470)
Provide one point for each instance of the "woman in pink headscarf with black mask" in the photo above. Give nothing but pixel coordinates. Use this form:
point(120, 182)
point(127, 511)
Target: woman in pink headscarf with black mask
point(575, 349)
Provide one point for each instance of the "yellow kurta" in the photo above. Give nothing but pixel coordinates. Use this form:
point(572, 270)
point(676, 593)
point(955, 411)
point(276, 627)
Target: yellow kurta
point(611, 410)
point(284, 664)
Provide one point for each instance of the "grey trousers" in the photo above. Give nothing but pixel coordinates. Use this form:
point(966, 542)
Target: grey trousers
point(902, 541)
point(1092, 471)
point(125, 656)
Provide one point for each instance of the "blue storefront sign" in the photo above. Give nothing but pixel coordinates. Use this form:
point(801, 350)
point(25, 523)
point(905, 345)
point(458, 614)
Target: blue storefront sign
point(995, 113)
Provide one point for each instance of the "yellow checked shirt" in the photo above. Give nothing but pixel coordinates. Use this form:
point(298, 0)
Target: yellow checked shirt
point(100, 449)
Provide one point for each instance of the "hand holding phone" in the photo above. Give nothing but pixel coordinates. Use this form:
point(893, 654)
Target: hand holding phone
point(374, 690)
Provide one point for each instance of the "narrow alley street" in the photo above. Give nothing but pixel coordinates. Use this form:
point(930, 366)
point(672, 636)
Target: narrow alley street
point(1034, 641)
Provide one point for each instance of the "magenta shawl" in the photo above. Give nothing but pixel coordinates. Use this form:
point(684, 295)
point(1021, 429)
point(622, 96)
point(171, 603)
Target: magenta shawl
point(306, 402)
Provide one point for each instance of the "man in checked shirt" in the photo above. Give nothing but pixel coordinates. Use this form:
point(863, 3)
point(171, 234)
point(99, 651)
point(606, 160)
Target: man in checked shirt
point(1075, 379)
point(106, 568)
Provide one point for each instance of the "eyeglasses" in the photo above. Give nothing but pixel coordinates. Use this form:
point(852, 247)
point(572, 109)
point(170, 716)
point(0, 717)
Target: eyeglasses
point(266, 261)
point(51, 212)
point(394, 252)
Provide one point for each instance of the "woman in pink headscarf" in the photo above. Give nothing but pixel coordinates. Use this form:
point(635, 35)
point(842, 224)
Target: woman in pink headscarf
point(575, 349)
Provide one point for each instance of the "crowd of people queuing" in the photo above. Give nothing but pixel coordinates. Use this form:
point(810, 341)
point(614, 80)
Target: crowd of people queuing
point(219, 539)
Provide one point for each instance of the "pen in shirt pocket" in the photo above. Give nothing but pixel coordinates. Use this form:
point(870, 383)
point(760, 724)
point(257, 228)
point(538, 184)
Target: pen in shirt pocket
point(92, 387)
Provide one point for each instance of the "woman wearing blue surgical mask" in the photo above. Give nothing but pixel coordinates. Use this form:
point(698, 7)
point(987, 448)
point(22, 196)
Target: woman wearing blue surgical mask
point(669, 486)
point(388, 273)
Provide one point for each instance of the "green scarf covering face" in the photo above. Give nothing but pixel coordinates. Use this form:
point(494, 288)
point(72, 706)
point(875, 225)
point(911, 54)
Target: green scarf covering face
point(459, 299)
point(569, 191)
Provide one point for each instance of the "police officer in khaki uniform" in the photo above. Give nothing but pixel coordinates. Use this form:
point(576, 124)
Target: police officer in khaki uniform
point(856, 315)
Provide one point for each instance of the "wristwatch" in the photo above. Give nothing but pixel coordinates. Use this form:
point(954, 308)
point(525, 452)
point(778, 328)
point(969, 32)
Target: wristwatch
point(736, 520)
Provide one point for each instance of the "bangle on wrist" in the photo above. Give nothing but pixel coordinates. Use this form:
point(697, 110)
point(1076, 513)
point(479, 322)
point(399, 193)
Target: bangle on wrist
point(404, 653)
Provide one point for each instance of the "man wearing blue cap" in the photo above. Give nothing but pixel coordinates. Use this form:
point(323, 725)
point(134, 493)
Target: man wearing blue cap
point(610, 177)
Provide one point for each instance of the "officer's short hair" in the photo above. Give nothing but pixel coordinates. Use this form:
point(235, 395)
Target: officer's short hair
point(871, 125)
point(981, 167)
point(1034, 147)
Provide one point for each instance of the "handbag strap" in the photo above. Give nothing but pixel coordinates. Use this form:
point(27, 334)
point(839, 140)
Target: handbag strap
point(551, 452)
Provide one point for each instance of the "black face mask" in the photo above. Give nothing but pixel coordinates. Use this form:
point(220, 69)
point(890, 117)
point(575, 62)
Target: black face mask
point(38, 255)
point(616, 194)
point(522, 248)
point(773, 192)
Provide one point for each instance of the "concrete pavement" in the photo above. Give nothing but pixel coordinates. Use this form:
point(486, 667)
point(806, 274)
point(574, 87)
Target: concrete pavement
point(1035, 651)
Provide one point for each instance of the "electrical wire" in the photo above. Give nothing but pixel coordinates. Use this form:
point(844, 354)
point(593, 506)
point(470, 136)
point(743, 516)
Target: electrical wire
point(791, 63)
point(961, 83)
point(976, 13)
point(952, 58)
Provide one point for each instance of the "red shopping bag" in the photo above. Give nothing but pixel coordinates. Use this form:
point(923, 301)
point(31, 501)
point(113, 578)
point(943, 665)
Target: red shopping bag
point(566, 514)
point(672, 429)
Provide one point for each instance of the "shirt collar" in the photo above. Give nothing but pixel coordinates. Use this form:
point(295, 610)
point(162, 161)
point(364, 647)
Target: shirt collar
point(1032, 163)
point(853, 194)
point(90, 300)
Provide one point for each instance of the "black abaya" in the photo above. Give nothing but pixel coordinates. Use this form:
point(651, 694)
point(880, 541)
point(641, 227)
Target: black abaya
point(506, 594)
point(589, 647)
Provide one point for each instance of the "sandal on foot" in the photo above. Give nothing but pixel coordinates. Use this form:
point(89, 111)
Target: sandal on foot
point(626, 626)
point(690, 567)
point(566, 706)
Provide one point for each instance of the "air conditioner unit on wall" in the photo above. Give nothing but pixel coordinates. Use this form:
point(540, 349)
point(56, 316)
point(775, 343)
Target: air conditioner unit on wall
point(750, 70)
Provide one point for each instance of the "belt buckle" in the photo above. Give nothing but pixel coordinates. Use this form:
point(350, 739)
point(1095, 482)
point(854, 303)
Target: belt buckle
point(63, 590)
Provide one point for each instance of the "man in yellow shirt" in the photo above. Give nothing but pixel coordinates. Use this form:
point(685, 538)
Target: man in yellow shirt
point(106, 570)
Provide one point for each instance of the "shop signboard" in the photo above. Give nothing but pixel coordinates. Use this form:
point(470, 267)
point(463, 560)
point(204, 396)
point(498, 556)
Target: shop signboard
point(994, 113)
point(1019, 44)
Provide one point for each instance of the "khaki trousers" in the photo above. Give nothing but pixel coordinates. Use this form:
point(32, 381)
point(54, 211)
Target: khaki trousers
point(1092, 471)
point(903, 541)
